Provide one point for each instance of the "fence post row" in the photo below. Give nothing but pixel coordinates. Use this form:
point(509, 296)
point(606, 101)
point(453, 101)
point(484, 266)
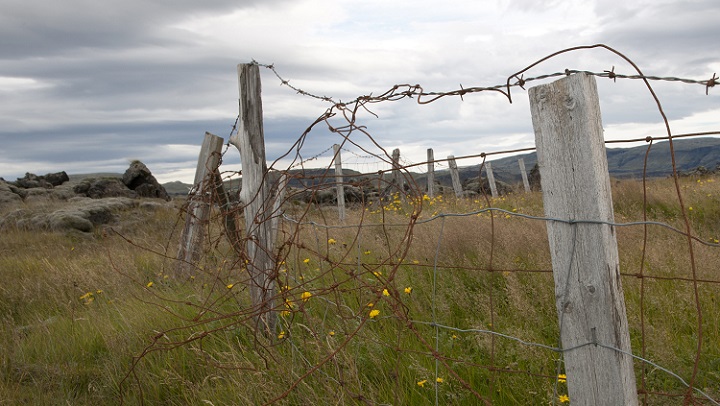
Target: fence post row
point(198, 209)
point(339, 183)
point(589, 297)
point(255, 196)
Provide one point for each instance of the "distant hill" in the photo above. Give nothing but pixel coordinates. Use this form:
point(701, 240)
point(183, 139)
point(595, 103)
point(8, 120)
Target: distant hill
point(622, 162)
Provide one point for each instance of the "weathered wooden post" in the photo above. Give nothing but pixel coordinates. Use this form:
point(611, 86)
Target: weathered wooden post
point(576, 187)
point(455, 176)
point(491, 179)
point(397, 176)
point(523, 173)
point(255, 196)
point(198, 209)
point(339, 183)
point(431, 173)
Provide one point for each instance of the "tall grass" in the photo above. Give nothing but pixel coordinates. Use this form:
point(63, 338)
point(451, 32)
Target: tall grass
point(386, 314)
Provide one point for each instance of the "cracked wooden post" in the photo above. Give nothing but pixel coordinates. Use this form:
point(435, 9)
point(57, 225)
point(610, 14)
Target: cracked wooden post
point(523, 174)
point(198, 208)
point(431, 173)
point(491, 179)
point(455, 176)
point(339, 182)
point(255, 197)
point(397, 177)
point(589, 297)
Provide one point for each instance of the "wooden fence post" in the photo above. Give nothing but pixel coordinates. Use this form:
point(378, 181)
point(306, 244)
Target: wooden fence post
point(523, 173)
point(491, 179)
point(455, 176)
point(576, 186)
point(198, 209)
point(397, 176)
point(431, 173)
point(339, 183)
point(255, 196)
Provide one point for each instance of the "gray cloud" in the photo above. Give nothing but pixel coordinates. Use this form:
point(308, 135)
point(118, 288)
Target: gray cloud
point(110, 81)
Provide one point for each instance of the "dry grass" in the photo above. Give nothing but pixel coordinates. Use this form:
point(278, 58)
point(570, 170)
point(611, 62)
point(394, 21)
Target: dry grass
point(483, 271)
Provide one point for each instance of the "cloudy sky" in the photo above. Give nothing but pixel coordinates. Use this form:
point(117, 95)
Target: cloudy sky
point(88, 86)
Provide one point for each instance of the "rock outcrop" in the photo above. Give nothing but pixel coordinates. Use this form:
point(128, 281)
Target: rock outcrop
point(79, 206)
point(139, 179)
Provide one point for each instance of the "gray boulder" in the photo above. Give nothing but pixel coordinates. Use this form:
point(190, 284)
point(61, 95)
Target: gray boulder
point(139, 179)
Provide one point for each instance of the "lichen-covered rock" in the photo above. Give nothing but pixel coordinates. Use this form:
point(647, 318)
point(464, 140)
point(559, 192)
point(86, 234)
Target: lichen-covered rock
point(99, 188)
point(48, 181)
point(81, 214)
point(7, 195)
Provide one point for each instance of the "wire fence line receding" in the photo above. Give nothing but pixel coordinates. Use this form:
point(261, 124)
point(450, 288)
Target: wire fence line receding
point(415, 299)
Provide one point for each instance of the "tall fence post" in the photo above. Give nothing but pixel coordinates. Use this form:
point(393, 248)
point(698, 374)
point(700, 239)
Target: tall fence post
point(431, 173)
point(576, 187)
point(198, 209)
point(523, 173)
point(491, 179)
point(455, 176)
point(339, 180)
point(255, 196)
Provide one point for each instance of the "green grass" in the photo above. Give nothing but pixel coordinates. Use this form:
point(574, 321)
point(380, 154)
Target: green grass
point(80, 325)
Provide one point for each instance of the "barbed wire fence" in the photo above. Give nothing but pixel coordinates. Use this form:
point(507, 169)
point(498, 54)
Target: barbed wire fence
point(376, 309)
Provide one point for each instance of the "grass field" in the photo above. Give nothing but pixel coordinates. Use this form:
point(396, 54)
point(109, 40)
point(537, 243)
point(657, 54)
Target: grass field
point(394, 312)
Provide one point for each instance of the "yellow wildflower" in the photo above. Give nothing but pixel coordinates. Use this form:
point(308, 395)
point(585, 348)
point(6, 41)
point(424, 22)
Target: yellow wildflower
point(408, 290)
point(385, 292)
point(230, 286)
point(305, 296)
point(439, 380)
point(149, 284)
point(367, 252)
point(99, 291)
point(331, 333)
point(86, 296)
point(331, 241)
point(422, 383)
point(284, 313)
point(371, 304)
point(377, 273)
point(374, 313)
point(564, 398)
point(281, 335)
point(562, 378)
point(306, 260)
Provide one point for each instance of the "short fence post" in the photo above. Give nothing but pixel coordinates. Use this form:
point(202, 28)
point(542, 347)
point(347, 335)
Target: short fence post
point(523, 173)
point(491, 179)
point(255, 196)
point(576, 187)
point(455, 176)
point(431, 173)
point(198, 209)
point(339, 183)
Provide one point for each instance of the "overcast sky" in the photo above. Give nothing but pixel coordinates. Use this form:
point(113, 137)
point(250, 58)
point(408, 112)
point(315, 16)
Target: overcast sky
point(89, 86)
